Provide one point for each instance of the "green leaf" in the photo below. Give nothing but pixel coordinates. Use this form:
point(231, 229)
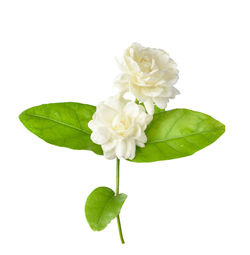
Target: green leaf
point(178, 133)
point(62, 124)
point(102, 206)
point(157, 109)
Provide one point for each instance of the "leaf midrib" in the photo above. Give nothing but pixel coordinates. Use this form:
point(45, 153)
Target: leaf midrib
point(58, 122)
point(103, 209)
point(178, 137)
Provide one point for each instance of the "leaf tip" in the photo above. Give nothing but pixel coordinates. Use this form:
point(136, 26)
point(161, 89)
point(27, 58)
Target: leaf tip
point(20, 117)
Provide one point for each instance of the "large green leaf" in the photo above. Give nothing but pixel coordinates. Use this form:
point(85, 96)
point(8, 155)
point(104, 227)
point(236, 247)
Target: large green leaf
point(62, 124)
point(102, 206)
point(178, 133)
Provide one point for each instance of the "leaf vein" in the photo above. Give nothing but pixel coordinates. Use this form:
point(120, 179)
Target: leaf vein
point(170, 139)
point(58, 122)
point(103, 209)
point(171, 128)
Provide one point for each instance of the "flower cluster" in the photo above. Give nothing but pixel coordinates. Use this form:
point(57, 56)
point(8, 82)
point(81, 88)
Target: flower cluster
point(118, 124)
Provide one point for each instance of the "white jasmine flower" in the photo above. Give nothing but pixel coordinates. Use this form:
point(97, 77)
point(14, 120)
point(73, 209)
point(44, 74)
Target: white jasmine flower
point(149, 74)
point(118, 125)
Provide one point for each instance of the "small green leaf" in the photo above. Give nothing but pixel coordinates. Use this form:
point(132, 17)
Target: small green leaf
point(62, 124)
point(178, 133)
point(157, 109)
point(102, 206)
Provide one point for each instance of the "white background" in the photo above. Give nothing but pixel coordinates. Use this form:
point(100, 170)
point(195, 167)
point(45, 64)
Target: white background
point(55, 51)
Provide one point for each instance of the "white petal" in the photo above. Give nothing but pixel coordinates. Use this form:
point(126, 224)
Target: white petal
point(152, 92)
point(110, 145)
point(104, 113)
point(132, 152)
point(140, 144)
point(116, 102)
point(120, 149)
point(132, 65)
point(109, 154)
point(136, 91)
point(120, 65)
point(148, 119)
point(138, 131)
point(175, 92)
point(122, 87)
point(142, 138)
point(100, 136)
point(91, 124)
point(163, 60)
point(129, 143)
point(122, 81)
point(141, 118)
point(149, 106)
point(131, 109)
point(161, 102)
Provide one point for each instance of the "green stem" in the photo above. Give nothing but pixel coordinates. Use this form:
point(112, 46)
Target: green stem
point(117, 192)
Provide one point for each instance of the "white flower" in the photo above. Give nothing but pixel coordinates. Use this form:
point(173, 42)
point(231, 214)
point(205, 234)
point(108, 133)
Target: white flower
point(149, 74)
point(118, 125)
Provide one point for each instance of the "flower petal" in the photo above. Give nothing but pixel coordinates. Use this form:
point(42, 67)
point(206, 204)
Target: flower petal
point(109, 154)
point(100, 136)
point(120, 149)
point(161, 102)
point(132, 152)
point(149, 106)
point(131, 109)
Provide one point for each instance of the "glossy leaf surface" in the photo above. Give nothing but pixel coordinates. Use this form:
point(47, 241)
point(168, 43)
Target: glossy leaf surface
point(178, 133)
point(102, 206)
point(62, 124)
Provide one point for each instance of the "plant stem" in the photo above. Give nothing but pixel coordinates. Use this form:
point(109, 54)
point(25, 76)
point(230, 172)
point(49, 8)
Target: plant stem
point(117, 192)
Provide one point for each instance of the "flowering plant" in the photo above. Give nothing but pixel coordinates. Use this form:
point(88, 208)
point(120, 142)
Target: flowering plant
point(138, 131)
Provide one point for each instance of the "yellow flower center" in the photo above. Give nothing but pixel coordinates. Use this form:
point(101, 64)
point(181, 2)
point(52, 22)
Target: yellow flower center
point(121, 124)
